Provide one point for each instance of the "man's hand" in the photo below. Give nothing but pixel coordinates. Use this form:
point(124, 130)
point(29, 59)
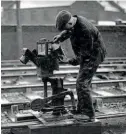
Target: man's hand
point(73, 62)
point(57, 38)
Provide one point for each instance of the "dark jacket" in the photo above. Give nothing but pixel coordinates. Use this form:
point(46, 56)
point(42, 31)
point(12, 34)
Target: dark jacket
point(86, 40)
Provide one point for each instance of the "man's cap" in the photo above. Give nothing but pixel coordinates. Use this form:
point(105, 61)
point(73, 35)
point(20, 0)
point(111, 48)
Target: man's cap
point(62, 18)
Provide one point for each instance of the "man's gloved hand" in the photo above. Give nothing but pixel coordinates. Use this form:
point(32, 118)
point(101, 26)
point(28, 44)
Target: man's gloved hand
point(57, 38)
point(73, 62)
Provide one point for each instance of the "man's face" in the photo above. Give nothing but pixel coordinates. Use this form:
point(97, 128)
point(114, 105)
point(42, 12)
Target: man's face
point(69, 25)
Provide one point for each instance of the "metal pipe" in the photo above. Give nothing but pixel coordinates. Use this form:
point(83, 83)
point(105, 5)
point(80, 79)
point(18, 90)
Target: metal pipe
point(19, 28)
point(46, 48)
point(45, 89)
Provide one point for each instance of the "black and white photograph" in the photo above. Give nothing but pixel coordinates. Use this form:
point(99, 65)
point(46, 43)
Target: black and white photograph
point(63, 67)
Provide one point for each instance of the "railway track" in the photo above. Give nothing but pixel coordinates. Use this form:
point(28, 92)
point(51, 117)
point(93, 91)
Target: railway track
point(30, 73)
point(119, 73)
point(15, 63)
point(106, 64)
point(115, 94)
point(110, 86)
point(108, 113)
point(110, 94)
point(111, 107)
point(67, 84)
point(120, 117)
point(106, 59)
point(8, 99)
point(61, 67)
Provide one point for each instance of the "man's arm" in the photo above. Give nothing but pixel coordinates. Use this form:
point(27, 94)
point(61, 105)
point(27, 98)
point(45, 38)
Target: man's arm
point(64, 35)
point(75, 61)
point(76, 52)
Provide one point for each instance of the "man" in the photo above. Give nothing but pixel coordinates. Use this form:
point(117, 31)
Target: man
point(89, 49)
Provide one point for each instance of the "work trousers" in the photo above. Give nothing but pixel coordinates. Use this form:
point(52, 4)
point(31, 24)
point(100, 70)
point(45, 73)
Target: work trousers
point(87, 70)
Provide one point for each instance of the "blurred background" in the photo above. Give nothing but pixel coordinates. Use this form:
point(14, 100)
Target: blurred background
point(25, 22)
